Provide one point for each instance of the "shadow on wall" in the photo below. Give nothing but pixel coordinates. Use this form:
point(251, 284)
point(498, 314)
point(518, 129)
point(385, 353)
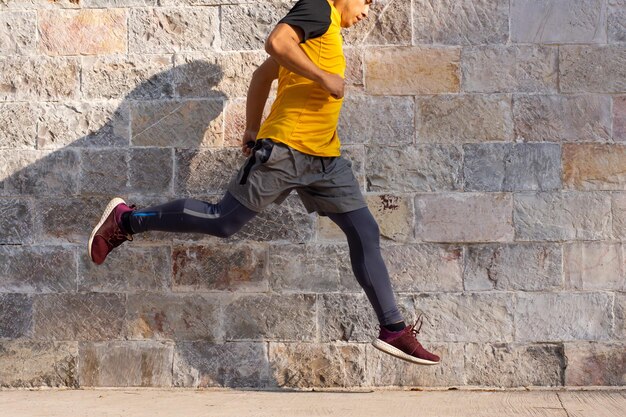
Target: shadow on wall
point(150, 148)
point(107, 161)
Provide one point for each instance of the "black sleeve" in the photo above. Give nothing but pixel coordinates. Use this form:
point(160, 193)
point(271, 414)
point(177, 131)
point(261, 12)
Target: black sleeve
point(312, 16)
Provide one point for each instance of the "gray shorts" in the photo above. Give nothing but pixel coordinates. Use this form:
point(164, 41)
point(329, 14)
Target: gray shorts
point(273, 170)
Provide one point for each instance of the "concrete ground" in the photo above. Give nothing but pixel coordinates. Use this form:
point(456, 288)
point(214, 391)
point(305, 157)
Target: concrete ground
point(135, 402)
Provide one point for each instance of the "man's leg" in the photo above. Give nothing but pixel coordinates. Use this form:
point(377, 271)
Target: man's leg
point(120, 221)
point(364, 240)
point(368, 266)
point(192, 216)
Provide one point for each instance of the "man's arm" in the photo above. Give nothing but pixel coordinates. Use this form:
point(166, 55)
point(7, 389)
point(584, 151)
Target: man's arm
point(283, 44)
point(258, 92)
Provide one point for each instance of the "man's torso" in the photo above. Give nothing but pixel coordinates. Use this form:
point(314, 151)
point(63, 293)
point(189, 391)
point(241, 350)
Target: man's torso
point(304, 114)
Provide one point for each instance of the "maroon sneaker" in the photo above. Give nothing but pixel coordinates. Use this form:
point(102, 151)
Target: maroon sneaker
point(109, 233)
point(404, 345)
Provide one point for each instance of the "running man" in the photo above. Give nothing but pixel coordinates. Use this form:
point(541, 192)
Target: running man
point(296, 148)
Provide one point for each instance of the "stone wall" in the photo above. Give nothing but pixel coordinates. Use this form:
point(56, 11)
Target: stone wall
point(490, 139)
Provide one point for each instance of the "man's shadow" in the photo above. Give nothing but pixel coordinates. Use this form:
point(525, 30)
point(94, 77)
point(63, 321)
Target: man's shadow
point(162, 142)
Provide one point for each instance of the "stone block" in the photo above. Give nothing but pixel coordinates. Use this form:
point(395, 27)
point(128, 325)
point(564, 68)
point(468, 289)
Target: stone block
point(104, 171)
point(513, 267)
point(464, 118)
point(616, 28)
point(39, 269)
point(40, 173)
point(618, 208)
point(219, 267)
point(464, 217)
point(151, 170)
point(594, 266)
point(594, 166)
point(515, 365)
point(461, 23)
point(619, 118)
point(430, 167)
point(619, 329)
point(39, 4)
point(557, 216)
point(354, 65)
point(27, 363)
point(385, 370)
point(225, 74)
point(18, 33)
point(16, 315)
point(351, 317)
point(41, 78)
point(204, 171)
point(130, 269)
point(69, 219)
point(425, 267)
point(16, 222)
point(512, 167)
point(200, 364)
point(561, 316)
point(552, 118)
point(592, 363)
point(126, 3)
point(561, 21)
point(377, 120)
point(87, 316)
point(388, 23)
point(80, 124)
point(126, 364)
point(416, 70)
point(83, 32)
point(592, 69)
point(467, 317)
point(18, 125)
point(521, 68)
point(304, 365)
point(311, 268)
point(246, 26)
point(132, 77)
point(163, 30)
point(179, 124)
point(171, 317)
point(270, 317)
point(235, 120)
point(394, 215)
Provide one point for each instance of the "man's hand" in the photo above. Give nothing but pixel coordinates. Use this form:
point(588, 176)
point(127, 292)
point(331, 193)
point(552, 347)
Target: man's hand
point(334, 84)
point(248, 135)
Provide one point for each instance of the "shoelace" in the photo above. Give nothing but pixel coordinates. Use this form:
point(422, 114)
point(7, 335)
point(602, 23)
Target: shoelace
point(118, 237)
point(415, 332)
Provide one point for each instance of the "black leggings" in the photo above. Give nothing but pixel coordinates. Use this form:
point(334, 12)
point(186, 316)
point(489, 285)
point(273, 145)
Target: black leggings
point(228, 216)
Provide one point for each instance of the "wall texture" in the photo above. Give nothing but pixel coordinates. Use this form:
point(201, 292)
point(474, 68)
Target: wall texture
point(490, 139)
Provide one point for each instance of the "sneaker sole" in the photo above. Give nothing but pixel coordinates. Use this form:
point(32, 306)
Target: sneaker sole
point(109, 208)
point(393, 351)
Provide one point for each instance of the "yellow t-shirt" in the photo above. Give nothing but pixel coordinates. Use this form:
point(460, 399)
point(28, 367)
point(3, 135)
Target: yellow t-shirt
point(305, 115)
